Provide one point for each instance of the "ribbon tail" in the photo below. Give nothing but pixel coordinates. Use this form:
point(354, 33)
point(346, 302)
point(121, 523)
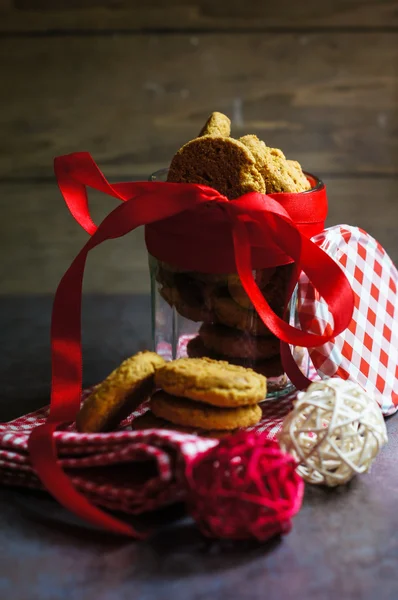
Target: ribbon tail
point(66, 345)
point(324, 273)
point(290, 367)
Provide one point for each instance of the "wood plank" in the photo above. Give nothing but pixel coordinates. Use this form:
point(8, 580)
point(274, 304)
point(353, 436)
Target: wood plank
point(42, 239)
point(75, 15)
point(327, 100)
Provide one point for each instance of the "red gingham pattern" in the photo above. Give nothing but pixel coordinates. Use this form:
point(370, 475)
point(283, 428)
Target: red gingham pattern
point(125, 470)
point(367, 352)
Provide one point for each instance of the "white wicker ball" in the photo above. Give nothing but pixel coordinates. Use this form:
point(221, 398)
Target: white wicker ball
point(334, 431)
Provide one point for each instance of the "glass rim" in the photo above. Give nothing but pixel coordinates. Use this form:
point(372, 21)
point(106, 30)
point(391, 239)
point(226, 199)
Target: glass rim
point(318, 183)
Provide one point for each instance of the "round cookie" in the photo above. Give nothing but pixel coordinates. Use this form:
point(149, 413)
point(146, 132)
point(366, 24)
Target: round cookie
point(280, 175)
point(149, 421)
point(238, 344)
point(219, 162)
point(237, 291)
point(119, 394)
point(197, 349)
point(269, 367)
point(194, 309)
point(229, 313)
point(187, 413)
point(259, 149)
point(212, 382)
point(191, 290)
point(297, 174)
point(217, 124)
point(239, 312)
point(275, 291)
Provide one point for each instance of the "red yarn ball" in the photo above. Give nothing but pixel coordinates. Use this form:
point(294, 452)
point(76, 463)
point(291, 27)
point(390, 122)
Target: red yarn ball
point(245, 487)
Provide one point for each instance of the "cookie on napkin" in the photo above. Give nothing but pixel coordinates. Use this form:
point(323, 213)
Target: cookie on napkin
point(120, 393)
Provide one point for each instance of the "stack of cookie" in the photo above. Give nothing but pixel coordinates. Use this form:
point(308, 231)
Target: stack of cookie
point(231, 330)
point(205, 396)
point(237, 334)
point(201, 396)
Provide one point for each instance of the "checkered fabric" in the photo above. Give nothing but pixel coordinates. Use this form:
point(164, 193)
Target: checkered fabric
point(125, 470)
point(367, 352)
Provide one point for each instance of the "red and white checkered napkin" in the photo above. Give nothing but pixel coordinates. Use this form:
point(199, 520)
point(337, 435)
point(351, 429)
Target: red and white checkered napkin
point(125, 470)
point(367, 351)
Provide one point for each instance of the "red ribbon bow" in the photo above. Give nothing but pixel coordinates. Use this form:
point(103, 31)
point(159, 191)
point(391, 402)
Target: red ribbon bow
point(258, 226)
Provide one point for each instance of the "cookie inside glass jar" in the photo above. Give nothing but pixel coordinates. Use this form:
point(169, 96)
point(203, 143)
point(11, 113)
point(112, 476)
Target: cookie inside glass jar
point(209, 314)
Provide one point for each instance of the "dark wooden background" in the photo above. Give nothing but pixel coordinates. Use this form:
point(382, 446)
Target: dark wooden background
point(131, 81)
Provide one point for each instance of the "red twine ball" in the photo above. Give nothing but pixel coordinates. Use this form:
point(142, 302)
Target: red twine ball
point(245, 487)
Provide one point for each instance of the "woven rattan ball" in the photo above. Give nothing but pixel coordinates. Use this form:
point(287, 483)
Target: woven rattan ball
point(335, 431)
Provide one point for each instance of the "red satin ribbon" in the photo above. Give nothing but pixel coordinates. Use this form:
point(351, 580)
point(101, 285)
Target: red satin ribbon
point(252, 217)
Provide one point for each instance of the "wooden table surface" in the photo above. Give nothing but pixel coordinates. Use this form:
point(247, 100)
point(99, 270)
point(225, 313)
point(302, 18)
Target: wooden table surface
point(343, 544)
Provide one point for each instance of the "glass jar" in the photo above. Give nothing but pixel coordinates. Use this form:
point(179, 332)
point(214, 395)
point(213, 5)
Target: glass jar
point(198, 314)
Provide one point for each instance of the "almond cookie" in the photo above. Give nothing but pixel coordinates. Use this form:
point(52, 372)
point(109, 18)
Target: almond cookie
point(197, 349)
point(274, 284)
point(120, 393)
point(217, 124)
point(229, 313)
point(237, 291)
point(280, 175)
point(259, 149)
point(149, 421)
point(212, 382)
point(271, 368)
point(219, 162)
point(297, 174)
point(238, 344)
point(187, 413)
point(192, 308)
point(275, 291)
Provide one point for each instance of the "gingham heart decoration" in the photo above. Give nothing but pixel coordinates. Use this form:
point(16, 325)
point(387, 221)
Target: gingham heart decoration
point(367, 351)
